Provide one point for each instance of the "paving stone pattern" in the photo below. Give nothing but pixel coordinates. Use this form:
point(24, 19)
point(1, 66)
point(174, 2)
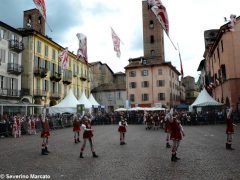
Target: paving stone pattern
point(202, 152)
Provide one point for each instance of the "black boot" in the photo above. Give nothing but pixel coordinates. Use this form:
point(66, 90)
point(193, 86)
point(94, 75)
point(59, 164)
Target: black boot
point(94, 155)
point(168, 145)
point(75, 141)
point(227, 146)
point(78, 140)
point(230, 147)
point(81, 155)
point(177, 158)
point(44, 152)
point(173, 158)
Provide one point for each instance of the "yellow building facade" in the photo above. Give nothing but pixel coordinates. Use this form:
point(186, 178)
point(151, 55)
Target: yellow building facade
point(44, 81)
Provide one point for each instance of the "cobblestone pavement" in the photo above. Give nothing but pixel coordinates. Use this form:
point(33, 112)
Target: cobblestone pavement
point(202, 151)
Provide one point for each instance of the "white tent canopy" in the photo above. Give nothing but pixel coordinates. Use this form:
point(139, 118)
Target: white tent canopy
point(204, 99)
point(93, 100)
point(68, 104)
point(84, 100)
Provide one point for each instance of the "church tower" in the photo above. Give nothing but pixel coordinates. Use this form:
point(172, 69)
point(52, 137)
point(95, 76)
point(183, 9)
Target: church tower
point(32, 19)
point(153, 42)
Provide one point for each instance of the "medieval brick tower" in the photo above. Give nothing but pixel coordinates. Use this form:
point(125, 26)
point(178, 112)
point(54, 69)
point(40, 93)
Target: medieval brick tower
point(153, 42)
point(32, 19)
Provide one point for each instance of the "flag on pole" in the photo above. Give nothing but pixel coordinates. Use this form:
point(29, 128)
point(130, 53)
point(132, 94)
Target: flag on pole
point(116, 43)
point(160, 12)
point(181, 66)
point(82, 50)
point(40, 4)
point(233, 20)
point(63, 58)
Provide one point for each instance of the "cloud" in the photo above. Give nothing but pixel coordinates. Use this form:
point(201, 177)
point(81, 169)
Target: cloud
point(136, 44)
point(62, 16)
point(11, 11)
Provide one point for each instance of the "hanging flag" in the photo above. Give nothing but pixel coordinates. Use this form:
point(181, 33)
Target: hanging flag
point(82, 50)
point(233, 20)
point(63, 58)
point(40, 4)
point(116, 43)
point(160, 12)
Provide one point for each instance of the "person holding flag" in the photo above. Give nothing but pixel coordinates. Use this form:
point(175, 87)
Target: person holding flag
point(176, 134)
point(45, 133)
point(122, 129)
point(87, 135)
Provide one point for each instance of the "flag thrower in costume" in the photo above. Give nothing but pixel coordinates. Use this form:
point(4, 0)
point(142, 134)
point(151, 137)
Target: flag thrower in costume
point(63, 58)
point(82, 50)
point(116, 43)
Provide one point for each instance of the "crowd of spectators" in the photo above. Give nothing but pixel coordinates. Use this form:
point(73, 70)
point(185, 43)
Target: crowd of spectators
point(102, 118)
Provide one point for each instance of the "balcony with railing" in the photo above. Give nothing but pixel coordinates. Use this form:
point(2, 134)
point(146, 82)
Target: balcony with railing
point(6, 92)
point(54, 95)
point(40, 93)
point(67, 80)
point(40, 72)
point(67, 77)
point(16, 46)
point(15, 69)
point(25, 92)
point(83, 77)
point(55, 76)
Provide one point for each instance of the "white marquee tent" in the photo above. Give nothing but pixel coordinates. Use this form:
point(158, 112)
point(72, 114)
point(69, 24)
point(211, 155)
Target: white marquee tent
point(84, 100)
point(68, 104)
point(204, 99)
point(93, 100)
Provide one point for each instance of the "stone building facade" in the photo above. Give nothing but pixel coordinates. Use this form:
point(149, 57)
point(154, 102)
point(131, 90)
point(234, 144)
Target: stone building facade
point(44, 82)
point(191, 89)
point(150, 80)
point(108, 88)
point(222, 65)
point(11, 68)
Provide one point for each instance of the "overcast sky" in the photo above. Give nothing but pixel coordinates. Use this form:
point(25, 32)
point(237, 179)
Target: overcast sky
point(188, 19)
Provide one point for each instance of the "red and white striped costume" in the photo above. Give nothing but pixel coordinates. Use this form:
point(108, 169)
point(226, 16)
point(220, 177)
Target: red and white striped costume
point(16, 130)
point(87, 135)
point(44, 135)
point(122, 130)
point(31, 126)
point(76, 129)
point(176, 136)
point(229, 130)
